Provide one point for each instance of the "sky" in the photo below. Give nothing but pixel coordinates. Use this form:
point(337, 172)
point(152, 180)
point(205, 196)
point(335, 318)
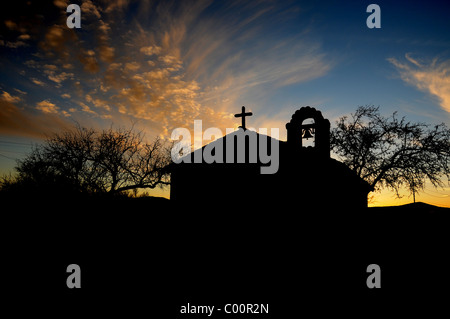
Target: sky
point(160, 65)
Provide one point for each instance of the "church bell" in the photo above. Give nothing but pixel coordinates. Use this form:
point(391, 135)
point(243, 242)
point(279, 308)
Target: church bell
point(307, 133)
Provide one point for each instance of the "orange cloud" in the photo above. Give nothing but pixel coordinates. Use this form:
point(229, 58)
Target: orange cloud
point(170, 70)
point(150, 50)
point(47, 107)
point(9, 98)
point(55, 40)
point(88, 8)
point(15, 121)
point(433, 78)
point(37, 82)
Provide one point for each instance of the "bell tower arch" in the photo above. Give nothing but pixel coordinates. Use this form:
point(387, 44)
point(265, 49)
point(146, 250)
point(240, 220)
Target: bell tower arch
point(297, 130)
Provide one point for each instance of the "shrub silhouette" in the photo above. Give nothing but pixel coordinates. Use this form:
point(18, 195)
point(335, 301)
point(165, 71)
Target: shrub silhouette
point(86, 161)
point(391, 152)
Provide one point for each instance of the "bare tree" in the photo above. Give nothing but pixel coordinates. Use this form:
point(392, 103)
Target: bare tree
point(109, 161)
point(391, 152)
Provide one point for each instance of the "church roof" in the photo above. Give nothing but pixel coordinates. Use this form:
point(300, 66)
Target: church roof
point(249, 136)
point(292, 163)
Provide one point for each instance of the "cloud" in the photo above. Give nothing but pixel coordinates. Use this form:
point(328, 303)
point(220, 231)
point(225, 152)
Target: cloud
point(9, 98)
point(90, 63)
point(430, 77)
point(62, 4)
point(88, 8)
point(170, 64)
point(116, 6)
point(37, 82)
point(98, 102)
point(10, 24)
point(19, 42)
point(58, 78)
point(13, 45)
point(132, 66)
point(106, 53)
point(50, 67)
point(16, 121)
point(86, 108)
point(197, 68)
point(47, 107)
point(20, 91)
point(24, 37)
point(54, 38)
point(51, 71)
point(150, 50)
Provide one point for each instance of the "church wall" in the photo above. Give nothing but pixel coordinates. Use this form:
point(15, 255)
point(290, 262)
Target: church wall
point(308, 180)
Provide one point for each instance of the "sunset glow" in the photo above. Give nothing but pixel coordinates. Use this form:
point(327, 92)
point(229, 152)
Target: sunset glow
point(160, 65)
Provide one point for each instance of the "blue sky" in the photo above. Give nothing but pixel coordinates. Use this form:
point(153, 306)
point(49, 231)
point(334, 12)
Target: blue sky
point(161, 64)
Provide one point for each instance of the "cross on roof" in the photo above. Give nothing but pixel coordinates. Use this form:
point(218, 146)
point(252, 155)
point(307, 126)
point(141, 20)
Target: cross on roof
point(243, 115)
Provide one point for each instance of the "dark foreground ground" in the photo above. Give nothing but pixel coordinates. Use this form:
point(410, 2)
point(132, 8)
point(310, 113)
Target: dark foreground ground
point(146, 258)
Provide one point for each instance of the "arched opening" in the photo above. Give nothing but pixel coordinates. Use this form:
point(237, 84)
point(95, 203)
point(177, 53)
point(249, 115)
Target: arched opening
point(308, 133)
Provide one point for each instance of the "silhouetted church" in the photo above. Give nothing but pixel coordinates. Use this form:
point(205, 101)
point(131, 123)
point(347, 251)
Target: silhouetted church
point(307, 177)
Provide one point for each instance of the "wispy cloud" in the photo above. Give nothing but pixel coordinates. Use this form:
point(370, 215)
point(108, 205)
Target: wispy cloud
point(431, 77)
point(172, 63)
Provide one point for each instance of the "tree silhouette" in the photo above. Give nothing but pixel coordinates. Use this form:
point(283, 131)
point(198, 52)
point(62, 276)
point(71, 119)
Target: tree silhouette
point(90, 161)
point(391, 152)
